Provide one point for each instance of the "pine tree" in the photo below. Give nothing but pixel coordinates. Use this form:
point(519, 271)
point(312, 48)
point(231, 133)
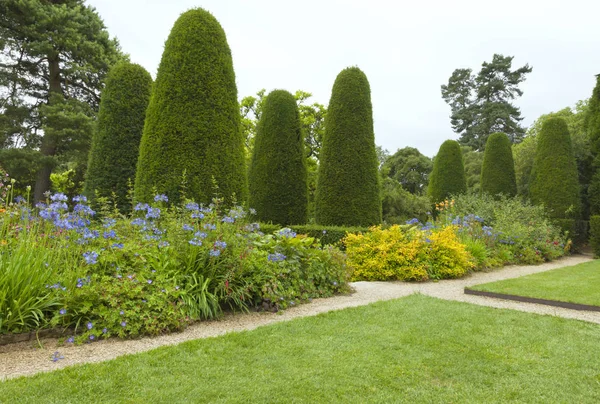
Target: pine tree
point(115, 145)
point(193, 120)
point(277, 176)
point(448, 175)
point(554, 174)
point(348, 181)
point(498, 170)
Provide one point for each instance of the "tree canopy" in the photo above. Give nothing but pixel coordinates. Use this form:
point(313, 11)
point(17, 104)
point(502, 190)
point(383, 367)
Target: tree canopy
point(410, 168)
point(482, 104)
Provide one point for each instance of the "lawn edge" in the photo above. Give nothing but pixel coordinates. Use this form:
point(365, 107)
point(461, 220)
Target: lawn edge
point(525, 299)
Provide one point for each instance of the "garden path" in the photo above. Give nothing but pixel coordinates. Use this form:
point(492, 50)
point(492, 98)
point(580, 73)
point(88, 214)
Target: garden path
point(28, 358)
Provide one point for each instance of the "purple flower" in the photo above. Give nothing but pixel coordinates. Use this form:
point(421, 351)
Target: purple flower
point(161, 198)
point(149, 281)
point(90, 325)
point(104, 331)
point(187, 227)
point(62, 312)
point(123, 323)
point(121, 312)
point(91, 257)
point(220, 244)
point(141, 206)
point(92, 337)
point(70, 340)
point(192, 206)
point(195, 242)
point(117, 245)
point(57, 356)
point(215, 253)
point(197, 215)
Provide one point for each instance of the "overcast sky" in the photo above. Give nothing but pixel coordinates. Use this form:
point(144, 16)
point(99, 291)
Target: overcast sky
point(407, 49)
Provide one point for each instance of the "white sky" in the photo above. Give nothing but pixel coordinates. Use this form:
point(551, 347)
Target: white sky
point(407, 49)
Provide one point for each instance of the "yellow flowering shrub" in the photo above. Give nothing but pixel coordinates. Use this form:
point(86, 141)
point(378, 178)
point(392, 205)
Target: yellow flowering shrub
point(406, 253)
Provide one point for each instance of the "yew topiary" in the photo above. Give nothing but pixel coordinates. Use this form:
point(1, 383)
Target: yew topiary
point(347, 191)
point(193, 120)
point(498, 170)
point(448, 175)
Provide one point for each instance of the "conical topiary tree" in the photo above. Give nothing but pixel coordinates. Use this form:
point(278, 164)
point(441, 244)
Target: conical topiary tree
point(592, 125)
point(498, 169)
point(448, 175)
point(347, 191)
point(193, 119)
point(555, 182)
point(115, 144)
point(277, 175)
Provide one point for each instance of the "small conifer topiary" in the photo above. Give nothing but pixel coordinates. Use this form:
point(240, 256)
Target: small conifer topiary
point(347, 191)
point(555, 181)
point(498, 170)
point(115, 144)
point(277, 176)
point(448, 175)
point(193, 119)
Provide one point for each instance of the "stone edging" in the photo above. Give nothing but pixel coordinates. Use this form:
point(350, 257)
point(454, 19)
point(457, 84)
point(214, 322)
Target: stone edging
point(517, 298)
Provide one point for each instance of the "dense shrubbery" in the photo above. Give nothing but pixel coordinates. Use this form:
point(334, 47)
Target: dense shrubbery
point(193, 118)
point(348, 183)
point(498, 170)
point(327, 235)
point(277, 175)
point(595, 234)
point(115, 145)
point(407, 253)
point(448, 175)
point(153, 272)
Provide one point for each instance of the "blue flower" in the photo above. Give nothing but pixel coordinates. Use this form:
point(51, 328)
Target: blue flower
point(57, 356)
point(70, 340)
point(164, 244)
point(149, 281)
point(121, 312)
point(220, 244)
point(153, 213)
point(276, 257)
point(161, 198)
point(104, 331)
point(209, 226)
point(200, 234)
point(109, 234)
point(91, 257)
point(123, 323)
point(117, 245)
point(59, 197)
point(197, 215)
point(141, 206)
point(414, 220)
point(187, 227)
point(92, 337)
point(287, 233)
point(62, 312)
point(228, 219)
point(215, 253)
point(90, 325)
point(108, 223)
point(195, 242)
point(19, 199)
point(79, 198)
point(138, 222)
point(192, 206)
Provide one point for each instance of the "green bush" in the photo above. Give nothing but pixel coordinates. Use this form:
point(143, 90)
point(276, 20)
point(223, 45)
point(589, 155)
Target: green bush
point(115, 145)
point(595, 234)
point(555, 181)
point(592, 126)
point(277, 176)
point(448, 175)
point(328, 235)
point(399, 205)
point(498, 170)
point(348, 181)
point(193, 119)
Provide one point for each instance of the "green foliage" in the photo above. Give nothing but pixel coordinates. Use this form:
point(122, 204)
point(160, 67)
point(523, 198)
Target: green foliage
point(327, 235)
point(473, 162)
point(524, 152)
point(193, 118)
point(406, 253)
point(498, 172)
point(410, 168)
point(448, 175)
point(592, 126)
point(554, 175)
point(55, 56)
point(480, 103)
point(399, 205)
point(348, 183)
point(115, 145)
point(595, 234)
point(277, 176)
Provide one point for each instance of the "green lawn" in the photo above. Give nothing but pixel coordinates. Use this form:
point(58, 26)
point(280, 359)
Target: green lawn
point(415, 349)
point(577, 284)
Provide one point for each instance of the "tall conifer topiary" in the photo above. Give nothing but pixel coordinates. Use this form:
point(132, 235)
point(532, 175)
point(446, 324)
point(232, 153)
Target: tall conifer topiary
point(448, 175)
point(554, 174)
point(193, 120)
point(348, 181)
point(115, 144)
point(277, 175)
point(592, 125)
point(498, 170)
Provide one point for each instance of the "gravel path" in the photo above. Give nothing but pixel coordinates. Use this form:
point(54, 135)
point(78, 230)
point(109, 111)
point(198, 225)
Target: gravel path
point(28, 358)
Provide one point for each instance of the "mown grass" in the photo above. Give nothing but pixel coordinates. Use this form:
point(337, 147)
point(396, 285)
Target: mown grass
point(416, 349)
point(575, 284)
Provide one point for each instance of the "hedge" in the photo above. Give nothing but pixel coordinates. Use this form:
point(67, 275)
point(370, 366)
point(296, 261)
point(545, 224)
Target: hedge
point(277, 177)
point(595, 234)
point(498, 169)
point(347, 191)
point(448, 175)
point(555, 180)
point(115, 144)
point(193, 119)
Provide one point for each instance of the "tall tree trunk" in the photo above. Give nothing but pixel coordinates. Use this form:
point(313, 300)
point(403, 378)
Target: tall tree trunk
point(48, 146)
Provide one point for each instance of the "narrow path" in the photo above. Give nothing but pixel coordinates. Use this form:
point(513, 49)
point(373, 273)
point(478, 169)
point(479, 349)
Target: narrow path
point(28, 358)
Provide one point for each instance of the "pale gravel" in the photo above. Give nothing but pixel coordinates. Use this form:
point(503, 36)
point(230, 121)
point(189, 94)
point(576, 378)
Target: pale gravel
point(29, 358)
